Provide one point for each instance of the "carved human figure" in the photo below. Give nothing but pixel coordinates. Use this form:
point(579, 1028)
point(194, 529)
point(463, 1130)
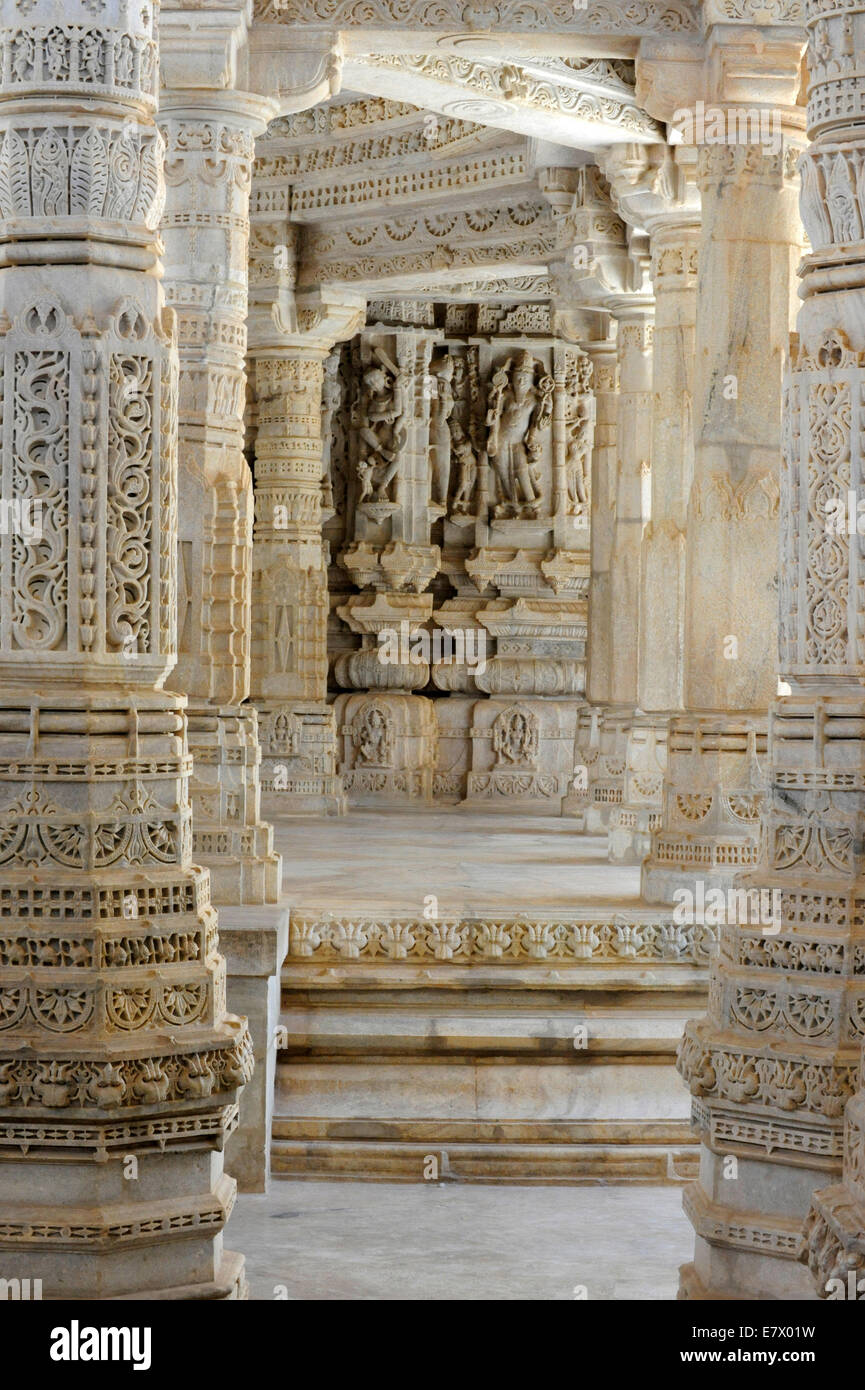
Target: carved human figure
point(90, 56)
point(372, 736)
point(441, 410)
point(576, 457)
point(22, 57)
point(518, 414)
point(467, 473)
point(515, 737)
point(331, 399)
point(382, 435)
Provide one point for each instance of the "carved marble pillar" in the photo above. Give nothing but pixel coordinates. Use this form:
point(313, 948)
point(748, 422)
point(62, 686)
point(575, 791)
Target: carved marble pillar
point(119, 1068)
point(291, 337)
point(210, 137)
point(749, 244)
point(634, 315)
point(773, 1065)
point(589, 764)
point(675, 237)
point(290, 602)
point(814, 825)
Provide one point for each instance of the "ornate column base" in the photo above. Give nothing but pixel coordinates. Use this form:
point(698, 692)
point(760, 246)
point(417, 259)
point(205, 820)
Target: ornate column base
point(298, 759)
point(833, 1241)
point(606, 775)
point(228, 834)
point(713, 796)
point(770, 1123)
point(101, 1236)
point(586, 751)
point(748, 1228)
point(631, 825)
point(453, 715)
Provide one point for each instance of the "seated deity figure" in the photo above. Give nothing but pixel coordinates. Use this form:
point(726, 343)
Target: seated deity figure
point(518, 414)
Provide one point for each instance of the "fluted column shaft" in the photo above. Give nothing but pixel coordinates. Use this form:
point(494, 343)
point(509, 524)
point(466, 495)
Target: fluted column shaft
point(662, 560)
point(675, 249)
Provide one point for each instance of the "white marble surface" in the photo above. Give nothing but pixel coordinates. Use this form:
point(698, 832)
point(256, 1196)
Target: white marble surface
point(351, 1240)
point(467, 860)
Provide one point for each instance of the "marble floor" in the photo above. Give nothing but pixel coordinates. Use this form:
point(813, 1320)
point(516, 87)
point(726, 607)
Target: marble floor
point(392, 1241)
point(470, 861)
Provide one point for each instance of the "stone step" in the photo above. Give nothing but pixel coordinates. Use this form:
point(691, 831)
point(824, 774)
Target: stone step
point(493, 1161)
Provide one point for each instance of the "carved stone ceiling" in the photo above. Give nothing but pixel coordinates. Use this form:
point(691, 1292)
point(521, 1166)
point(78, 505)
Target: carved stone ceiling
point(602, 27)
point(581, 103)
point(443, 194)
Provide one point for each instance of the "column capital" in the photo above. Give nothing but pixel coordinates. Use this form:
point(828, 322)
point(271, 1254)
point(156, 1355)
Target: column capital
point(310, 324)
point(242, 111)
point(299, 68)
point(757, 67)
point(202, 47)
point(668, 73)
point(593, 256)
point(212, 46)
point(654, 185)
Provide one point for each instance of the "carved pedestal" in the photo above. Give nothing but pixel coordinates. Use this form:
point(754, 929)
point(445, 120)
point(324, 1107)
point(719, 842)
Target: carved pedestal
point(387, 736)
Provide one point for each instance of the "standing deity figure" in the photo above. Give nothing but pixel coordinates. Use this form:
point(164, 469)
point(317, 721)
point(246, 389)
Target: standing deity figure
point(331, 399)
point(372, 736)
point(467, 470)
point(579, 439)
point(381, 432)
point(441, 410)
point(518, 415)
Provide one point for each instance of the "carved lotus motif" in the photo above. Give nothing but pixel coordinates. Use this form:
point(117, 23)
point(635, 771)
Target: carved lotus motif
point(446, 940)
point(107, 1087)
point(54, 1085)
point(152, 1085)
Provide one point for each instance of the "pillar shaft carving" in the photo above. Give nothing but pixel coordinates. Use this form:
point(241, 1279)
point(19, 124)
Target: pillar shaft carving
point(114, 1040)
point(655, 187)
point(749, 244)
point(821, 600)
point(605, 382)
point(291, 340)
point(629, 486)
point(592, 754)
point(209, 150)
